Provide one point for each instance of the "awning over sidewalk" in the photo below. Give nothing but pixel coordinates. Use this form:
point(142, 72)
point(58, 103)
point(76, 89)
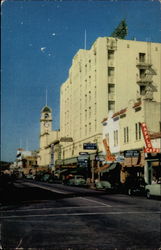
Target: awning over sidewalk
point(106, 168)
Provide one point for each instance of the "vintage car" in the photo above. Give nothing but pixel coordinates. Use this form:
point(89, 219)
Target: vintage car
point(153, 189)
point(135, 186)
point(103, 185)
point(77, 180)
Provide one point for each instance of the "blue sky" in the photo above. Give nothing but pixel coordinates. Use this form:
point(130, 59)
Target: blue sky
point(39, 40)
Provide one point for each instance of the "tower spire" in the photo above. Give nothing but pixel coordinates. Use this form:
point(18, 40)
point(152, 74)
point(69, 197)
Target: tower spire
point(85, 39)
point(46, 97)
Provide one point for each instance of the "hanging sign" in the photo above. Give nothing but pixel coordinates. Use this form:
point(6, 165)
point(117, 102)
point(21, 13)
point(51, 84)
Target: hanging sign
point(90, 146)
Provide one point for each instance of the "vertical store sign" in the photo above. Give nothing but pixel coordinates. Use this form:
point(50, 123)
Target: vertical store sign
point(149, 148)
point(109, 156)
point(146, 135)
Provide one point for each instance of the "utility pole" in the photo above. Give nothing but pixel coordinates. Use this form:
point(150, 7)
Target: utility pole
point(92, 172)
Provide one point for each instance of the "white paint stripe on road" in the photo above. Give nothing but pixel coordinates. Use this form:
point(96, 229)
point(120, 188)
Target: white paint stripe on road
point(64, 192)
point(77, 214)
point(49, 208)
point(104, 204)
point(47, 188)
point(20, 242)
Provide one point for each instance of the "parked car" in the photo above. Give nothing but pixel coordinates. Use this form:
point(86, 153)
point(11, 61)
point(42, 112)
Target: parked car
point(45, 177)
point(153, 190)
point(135, 186)
point(103, 185)
point(38, 176)
point(30, 177)
point(77, 180)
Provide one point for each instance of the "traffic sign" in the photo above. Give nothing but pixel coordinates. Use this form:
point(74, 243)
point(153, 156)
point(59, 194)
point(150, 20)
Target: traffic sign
point(90, 146)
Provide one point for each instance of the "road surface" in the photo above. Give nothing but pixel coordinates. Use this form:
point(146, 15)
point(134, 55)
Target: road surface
point(37, 215)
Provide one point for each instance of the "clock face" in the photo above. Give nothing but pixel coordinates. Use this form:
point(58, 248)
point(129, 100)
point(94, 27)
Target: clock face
point(46, 124)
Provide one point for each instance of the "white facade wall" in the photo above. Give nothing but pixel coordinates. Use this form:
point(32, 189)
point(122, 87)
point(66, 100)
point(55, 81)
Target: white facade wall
point(130, 135)
point(111, 130)
point(102, 79)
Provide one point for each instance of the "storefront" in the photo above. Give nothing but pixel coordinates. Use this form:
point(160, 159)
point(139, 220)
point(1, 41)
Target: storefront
point(133, 164)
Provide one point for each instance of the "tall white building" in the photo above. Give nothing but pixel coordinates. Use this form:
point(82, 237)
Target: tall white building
point(102, 79)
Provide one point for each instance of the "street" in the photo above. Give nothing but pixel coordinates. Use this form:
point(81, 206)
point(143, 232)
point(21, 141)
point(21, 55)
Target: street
point(36, 215)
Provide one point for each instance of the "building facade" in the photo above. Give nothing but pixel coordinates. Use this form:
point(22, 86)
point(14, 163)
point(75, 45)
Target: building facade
point(26, 161)
point(103, 79)
point(125, 137)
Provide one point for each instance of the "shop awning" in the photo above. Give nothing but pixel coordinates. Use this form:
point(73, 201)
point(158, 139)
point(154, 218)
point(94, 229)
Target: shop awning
point(106, 168)
point(61, 171)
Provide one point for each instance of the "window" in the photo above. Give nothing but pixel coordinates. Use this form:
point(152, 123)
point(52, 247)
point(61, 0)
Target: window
point(126, 135)
point(85, 100)
point(85, 68)
point(110, 71)
point(142, 90)
point(142, 73)
point(80, 68)
point(85, 114)
point(115, 138)
point(141, 57)
point(111, 88)
point(110, 54)
point(89, 64)
point(85, 129)
point(111, 105)
point(137, 131)
point(89, 96)
point(89, 112)
point(95, 124)
point(85, 83)
point(89, 128)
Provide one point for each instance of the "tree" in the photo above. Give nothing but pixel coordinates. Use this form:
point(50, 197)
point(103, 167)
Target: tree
point(121, 31)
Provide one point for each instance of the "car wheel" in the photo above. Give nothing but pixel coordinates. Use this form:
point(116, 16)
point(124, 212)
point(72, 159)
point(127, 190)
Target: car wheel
point(148, 194)
point(129, 191)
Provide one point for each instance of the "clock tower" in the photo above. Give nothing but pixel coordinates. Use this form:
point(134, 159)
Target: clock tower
point(45, 126)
